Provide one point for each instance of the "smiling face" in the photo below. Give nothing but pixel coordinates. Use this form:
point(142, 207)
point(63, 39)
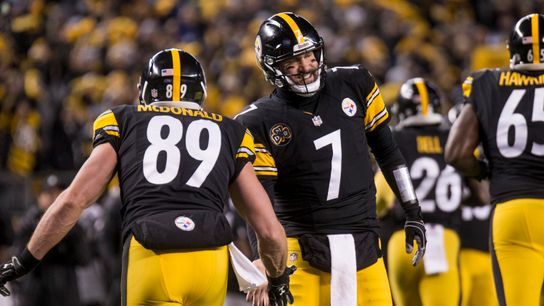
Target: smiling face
point(301, 69)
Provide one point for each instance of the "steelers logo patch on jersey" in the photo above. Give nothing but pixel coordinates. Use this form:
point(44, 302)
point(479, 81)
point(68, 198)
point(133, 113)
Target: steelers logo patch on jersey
point(185, 223)
point(349, 107)
point(280, 134)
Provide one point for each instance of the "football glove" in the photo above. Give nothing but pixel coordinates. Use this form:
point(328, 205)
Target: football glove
point(415, 230)
point(15, 268)
point(278, 288)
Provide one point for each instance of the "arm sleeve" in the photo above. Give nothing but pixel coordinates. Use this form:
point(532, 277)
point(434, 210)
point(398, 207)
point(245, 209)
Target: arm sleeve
point(106, 129)
point(245, 153)
point(393, 166)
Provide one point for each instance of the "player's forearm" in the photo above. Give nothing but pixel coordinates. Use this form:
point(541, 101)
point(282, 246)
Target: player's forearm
point(469, 166)
point(273, 252)
point(57, 221)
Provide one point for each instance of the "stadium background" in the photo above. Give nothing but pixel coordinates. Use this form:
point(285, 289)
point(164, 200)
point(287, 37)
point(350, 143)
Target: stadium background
point(64, 62)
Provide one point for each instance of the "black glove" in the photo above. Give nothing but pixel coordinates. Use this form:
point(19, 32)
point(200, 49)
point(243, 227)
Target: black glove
point(15, 268)
point(415, 230)
point(278, 288)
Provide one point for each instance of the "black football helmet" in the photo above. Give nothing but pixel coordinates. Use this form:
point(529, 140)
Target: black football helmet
point(526, 43)
point(285, 35)
point(172, 75)
point(418, 103)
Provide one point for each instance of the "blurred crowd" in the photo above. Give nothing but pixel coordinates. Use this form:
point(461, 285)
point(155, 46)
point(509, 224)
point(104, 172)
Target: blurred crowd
point(64, 62)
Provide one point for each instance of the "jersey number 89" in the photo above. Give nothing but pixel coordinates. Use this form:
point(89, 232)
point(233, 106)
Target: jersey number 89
point(169, 145)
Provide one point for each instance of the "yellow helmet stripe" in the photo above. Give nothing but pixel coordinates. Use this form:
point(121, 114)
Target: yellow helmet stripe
point(424, 94)
point(177, 75)
point(294, 27)
point(536, 40)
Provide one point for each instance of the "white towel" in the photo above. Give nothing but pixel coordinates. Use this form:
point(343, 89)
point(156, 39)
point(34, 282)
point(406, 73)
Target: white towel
point(435, 260)
point(248, 276)
point(343, 270)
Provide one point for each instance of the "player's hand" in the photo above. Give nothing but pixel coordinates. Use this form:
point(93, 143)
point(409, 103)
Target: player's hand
point(15, 268)
point(259, 295)
point(415, 230)
point(8, 272)
point(278, 288)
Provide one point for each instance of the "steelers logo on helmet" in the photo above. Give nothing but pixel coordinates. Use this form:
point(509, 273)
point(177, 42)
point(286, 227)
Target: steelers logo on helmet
point(526, 43)
point(281, 134)
point(173, 75)
point(286, 35)
point(418, 103)
point(258, 47)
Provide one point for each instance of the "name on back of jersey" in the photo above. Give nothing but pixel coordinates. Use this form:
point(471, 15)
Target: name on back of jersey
point(180, 111)
point(429, 145)
point(513, 78)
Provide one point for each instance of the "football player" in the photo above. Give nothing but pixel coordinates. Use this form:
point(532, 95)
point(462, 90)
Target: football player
point(175, 163)
point(311, 142)
point(504, 110)
point(421, 134)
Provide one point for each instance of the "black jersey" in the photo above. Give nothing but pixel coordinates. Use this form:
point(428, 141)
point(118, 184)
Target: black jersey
point(438, 186)
point(318, 160)
point(172, 158)
point(510, 109)
point(475, 227)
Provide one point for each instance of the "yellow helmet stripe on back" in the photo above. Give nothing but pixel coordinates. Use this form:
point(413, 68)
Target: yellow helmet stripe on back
point(424, 94)
point(536, 38)
point(177, 75)
point(294, 27)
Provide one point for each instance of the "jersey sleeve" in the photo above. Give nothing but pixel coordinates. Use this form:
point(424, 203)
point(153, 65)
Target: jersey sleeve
point(106, 129)
point(469, 87)
point(245, 152)
point(264, 162)
point(376, 113)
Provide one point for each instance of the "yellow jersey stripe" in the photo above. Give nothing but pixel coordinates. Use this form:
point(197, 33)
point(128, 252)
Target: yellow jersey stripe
point(177, 75)
point(372, 92)
point(260, 146)
point(467, 86)
point(113, 133)
point(242, 155)
point(377, 121)
point(536, 40)
point(424, 95)
point(264, 160)
point(293, 25)
point(107, 119)
point(266, 173)
point(247, 143)
point(375, 111)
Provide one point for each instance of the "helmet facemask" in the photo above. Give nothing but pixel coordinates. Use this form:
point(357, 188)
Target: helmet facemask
point(281, 79)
